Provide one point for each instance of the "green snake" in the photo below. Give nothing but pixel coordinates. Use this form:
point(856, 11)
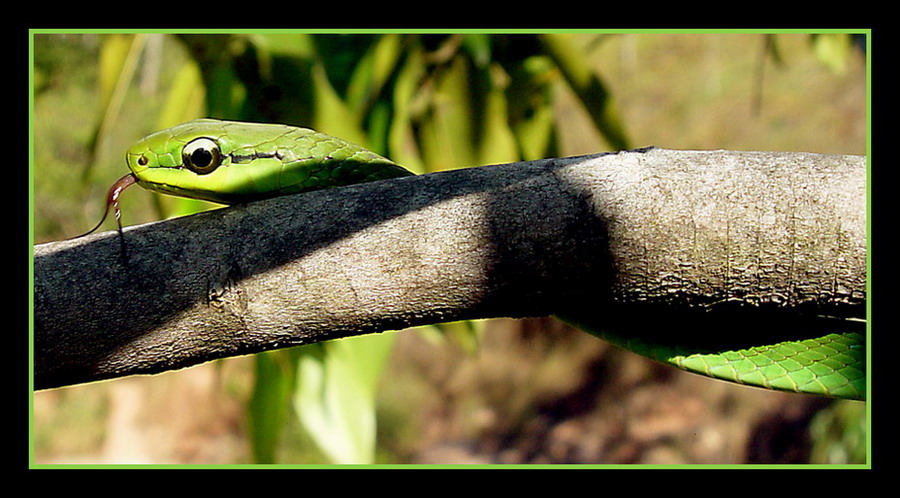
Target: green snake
point(235, 162)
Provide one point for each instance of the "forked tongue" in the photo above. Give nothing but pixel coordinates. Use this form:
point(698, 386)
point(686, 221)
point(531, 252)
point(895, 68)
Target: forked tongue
point(112, 199)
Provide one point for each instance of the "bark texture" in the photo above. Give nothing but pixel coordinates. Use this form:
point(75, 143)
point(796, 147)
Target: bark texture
point(592, 237)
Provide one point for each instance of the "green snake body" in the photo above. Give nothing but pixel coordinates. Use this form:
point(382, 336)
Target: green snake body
point(232, 162)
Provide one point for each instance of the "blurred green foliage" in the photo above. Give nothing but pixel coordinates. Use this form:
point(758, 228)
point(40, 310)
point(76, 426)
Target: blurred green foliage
point(428, 101)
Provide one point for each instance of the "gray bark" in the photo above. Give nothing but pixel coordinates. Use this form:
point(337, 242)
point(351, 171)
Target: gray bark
point(588, 237)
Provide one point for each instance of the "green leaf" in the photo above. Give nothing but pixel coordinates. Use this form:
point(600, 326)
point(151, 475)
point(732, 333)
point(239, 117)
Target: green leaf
point(270, 402)
point(119, 56)
point(838, 434)
point(531, 106)
point(335, 396)
point(184, 102)
point(535, 134)
point(466, 334)
point(832, 50)
point(372, 72)
point(498, 143)
point(113, 56)
point(284, 44)
point(478, 45)
point(447, 135)
point(332, 115)
point(185, 99)
point(402, 145)
point(588, 86)
point(217, 56)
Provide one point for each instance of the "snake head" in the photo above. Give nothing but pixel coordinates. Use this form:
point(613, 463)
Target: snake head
point(234, 162)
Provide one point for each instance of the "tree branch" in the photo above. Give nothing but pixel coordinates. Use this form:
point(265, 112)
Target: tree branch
point(589, 236)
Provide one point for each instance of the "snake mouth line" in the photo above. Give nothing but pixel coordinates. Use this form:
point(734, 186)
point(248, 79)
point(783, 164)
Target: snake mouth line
point(246, 158)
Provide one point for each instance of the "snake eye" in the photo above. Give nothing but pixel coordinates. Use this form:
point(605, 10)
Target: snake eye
point(202, 156)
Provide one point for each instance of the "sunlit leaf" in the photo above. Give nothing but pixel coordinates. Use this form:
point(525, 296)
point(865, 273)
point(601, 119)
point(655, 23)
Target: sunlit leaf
point(586, 84)
point(270, 402)
point(535, 134)
point(216, 56)
point(838, 434)
point(530, 97)
point(402, 145)
point(335, 396)
point(284, 44)
point(113, 54)
point(331, 114)
point(478, 45)
point(447, 135)
point(465, 334)
point(372, 72)
point(184, 102)
point(118, 64)
point(832, 50)
point(497, 144)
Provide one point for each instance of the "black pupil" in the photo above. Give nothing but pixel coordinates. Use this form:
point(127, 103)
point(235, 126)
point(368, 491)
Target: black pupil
point(201, 158)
